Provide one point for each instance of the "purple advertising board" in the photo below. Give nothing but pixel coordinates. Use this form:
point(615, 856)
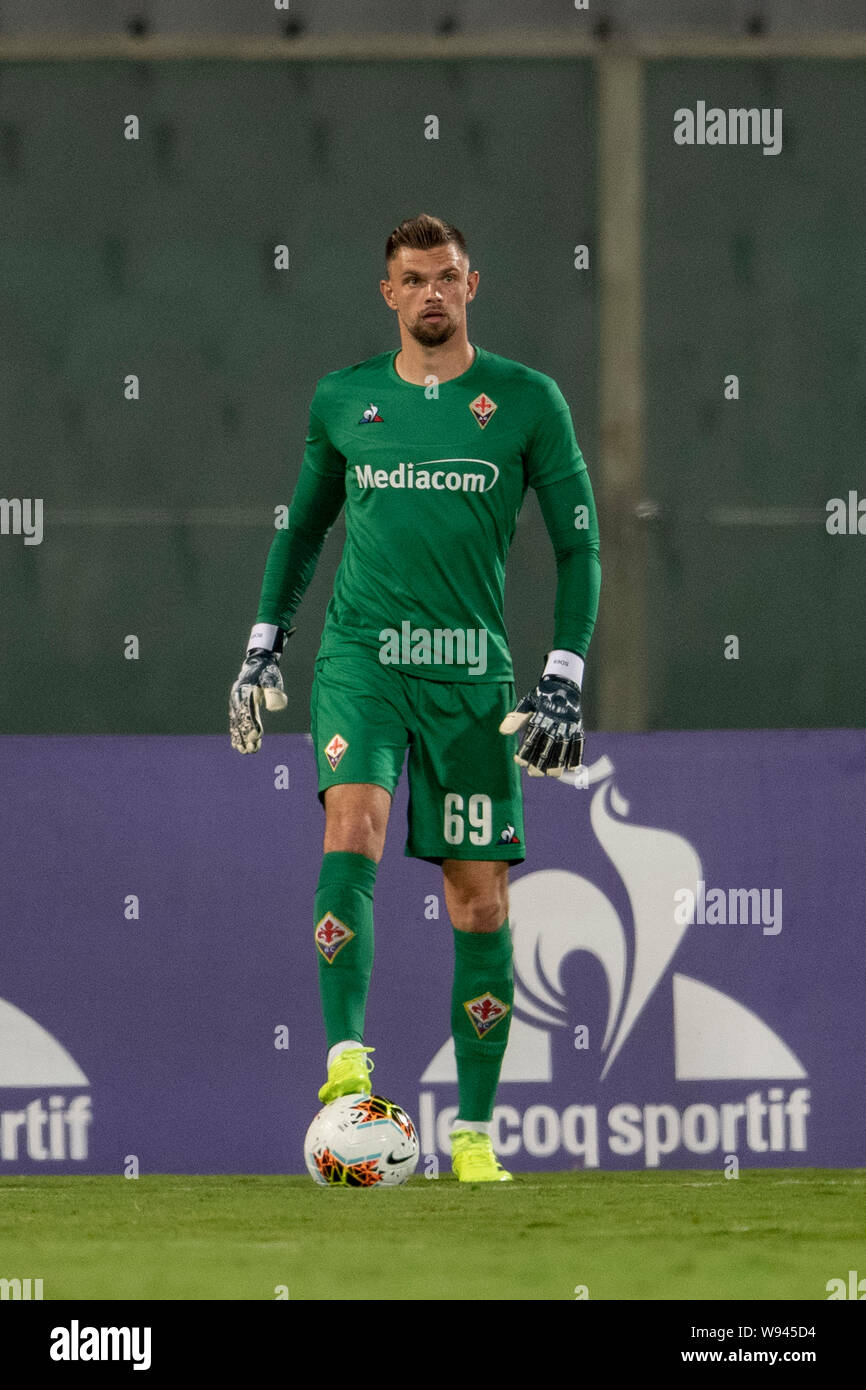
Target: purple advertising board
point(688, 937)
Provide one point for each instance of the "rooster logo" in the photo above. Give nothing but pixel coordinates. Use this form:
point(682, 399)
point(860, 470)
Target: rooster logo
point(555, 912)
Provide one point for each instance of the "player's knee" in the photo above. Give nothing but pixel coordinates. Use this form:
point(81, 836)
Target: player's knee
point(357, 833)
point(356, 819)
point(482, 912)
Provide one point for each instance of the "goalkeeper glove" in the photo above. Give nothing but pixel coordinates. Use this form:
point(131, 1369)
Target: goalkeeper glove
point(259, 683)
point(550, 718)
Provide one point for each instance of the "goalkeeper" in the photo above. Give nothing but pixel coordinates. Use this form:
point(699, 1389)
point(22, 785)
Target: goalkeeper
point(431, 449)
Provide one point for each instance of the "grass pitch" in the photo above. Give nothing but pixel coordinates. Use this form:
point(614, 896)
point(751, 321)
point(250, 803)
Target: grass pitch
point(770, 1234)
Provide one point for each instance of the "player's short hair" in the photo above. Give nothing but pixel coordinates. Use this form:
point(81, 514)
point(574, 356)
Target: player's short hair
point(423, 234)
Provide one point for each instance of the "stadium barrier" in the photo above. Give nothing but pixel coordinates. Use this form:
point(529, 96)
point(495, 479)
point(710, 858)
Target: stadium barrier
point(687, 957)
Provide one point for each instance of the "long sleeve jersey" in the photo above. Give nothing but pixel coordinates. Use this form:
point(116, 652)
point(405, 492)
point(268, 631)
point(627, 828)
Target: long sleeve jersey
point(433, 478)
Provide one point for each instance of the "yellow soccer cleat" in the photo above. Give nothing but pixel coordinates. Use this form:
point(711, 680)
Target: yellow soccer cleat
point(348, 1075)
point(473, 1159)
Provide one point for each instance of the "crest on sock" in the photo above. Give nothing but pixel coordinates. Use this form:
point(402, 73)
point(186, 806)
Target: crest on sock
point(332, 935)
point(485, 1012)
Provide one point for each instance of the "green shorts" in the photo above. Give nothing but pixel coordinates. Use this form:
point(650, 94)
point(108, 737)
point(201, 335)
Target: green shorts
point(465, 796)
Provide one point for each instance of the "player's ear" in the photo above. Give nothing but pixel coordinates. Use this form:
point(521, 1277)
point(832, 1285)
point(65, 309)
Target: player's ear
point(472, 284)
point(385, 287)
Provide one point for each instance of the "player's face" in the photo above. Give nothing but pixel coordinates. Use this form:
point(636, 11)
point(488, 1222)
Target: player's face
point(429, 291)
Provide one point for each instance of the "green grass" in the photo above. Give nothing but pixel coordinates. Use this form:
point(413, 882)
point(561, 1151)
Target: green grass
point(771, 1234)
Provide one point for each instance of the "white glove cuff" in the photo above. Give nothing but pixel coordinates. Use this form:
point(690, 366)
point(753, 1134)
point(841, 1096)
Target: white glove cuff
point(263, 635)
point(566, 664)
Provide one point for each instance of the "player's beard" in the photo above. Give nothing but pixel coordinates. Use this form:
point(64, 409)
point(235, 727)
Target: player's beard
point(431, 334)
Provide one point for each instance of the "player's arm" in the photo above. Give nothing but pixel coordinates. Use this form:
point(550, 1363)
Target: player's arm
point(550, 715)
point(568, 509)
point(294, 552)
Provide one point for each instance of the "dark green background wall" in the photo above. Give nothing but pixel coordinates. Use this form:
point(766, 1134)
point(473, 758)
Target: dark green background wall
point(156, 258)
point(755, 265)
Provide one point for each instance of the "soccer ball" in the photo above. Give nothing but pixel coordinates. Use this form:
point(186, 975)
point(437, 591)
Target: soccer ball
point(361, 1141)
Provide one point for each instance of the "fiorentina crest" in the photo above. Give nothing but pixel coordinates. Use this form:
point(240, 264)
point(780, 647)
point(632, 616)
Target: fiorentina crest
point(335, 750)
point(482, 408)
point(332, 935)
point(485, 1012)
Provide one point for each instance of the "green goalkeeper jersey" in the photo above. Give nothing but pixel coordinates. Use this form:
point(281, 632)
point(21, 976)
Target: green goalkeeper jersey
point(432, 478)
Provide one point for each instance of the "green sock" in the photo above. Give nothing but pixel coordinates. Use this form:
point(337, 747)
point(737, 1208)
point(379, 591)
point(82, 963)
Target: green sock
point(344, 940)
point(483, 981)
